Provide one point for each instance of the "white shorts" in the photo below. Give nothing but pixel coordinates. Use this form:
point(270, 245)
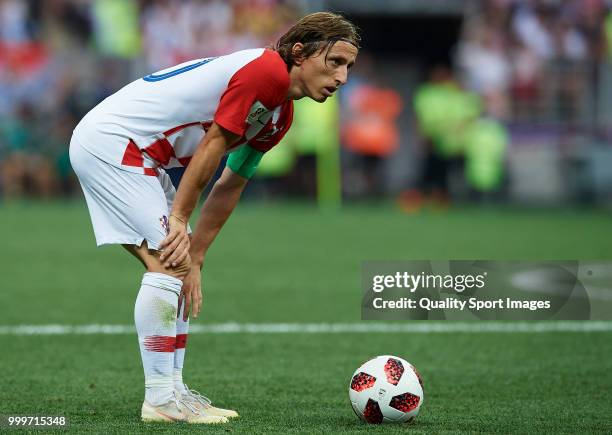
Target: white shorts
point(125, 207)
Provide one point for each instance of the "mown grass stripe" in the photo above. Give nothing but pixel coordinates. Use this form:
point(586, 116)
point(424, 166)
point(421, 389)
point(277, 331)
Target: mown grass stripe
point(325, 328)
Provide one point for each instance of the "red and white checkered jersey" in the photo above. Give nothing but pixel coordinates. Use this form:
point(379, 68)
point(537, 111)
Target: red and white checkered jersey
point(159, 120)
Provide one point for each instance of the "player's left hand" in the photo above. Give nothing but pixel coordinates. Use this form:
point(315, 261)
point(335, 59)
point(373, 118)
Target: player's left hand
point(191, 294)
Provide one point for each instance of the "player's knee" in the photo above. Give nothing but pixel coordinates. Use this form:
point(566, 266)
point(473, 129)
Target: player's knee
point(181, 270)
point(150, 259)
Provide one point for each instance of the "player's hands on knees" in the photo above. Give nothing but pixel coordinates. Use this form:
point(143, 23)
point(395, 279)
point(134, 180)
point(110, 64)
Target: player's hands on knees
point(175, 247)
point(191, 293)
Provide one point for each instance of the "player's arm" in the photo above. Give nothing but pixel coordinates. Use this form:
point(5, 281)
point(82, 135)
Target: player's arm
point(241, 166)
point(201, 168)
point(216, 210)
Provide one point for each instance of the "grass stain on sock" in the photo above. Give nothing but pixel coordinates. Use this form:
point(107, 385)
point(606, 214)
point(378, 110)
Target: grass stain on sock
point(166, 312)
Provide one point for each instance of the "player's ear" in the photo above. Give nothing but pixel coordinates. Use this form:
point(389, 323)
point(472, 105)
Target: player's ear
point(296, 53)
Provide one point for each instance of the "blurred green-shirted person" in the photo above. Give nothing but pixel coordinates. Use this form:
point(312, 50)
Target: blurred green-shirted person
point(485, 147)
point(456, 139)
point(443, 111)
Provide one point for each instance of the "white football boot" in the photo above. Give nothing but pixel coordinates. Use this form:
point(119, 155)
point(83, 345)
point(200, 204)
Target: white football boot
point(203, 404)
point(178, 409)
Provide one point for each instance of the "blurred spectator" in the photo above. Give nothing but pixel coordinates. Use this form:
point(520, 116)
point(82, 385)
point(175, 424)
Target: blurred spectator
point(370, 130)
point(482, 57)
point(116, 28)
point(486, 141)
point(608, 35)
point(209, 28)
point(14, 20)
point(533, 24)
point(444, 113)
point(527, 70)
point(26, 167)
point(63, 25)
point(163, 38)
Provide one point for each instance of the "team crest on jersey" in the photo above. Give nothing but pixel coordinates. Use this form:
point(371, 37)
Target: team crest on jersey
point(257, 109)
point(165, 224)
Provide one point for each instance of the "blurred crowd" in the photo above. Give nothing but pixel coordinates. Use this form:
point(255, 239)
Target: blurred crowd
point(534, 59)
point(518, 66)
point(58, 58)
point(515, 61)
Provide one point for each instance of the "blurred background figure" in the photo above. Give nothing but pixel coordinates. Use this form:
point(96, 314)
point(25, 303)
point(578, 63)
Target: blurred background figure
point(461, 101)
point(371, 133)
point(444, 112)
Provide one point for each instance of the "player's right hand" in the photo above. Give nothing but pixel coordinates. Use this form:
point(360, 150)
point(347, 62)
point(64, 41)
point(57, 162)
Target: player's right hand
point(175, 247)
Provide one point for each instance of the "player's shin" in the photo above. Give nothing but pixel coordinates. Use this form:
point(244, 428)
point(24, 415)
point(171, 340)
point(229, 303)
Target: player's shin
point(155, 318)
point(182, 329)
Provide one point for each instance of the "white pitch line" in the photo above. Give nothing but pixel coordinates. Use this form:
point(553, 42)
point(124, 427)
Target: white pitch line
point(325, 328)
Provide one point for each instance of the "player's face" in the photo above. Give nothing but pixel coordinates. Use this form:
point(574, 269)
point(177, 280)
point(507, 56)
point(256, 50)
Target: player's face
point(323, 73)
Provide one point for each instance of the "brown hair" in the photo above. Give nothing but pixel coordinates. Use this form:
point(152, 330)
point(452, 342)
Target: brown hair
point(316, 31)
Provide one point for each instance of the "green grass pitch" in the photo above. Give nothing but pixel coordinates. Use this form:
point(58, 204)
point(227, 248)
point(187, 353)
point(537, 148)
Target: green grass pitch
point(291, 263)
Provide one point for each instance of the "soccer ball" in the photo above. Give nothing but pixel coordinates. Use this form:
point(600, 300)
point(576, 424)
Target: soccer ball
point(386, 389)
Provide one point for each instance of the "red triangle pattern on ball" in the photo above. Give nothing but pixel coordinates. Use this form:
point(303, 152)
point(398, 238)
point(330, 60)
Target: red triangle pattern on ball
point(394, 370)
point(372, 412)
point(405, 402)
point(362, 381)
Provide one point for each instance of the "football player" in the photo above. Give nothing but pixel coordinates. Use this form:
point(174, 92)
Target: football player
point(190, 116)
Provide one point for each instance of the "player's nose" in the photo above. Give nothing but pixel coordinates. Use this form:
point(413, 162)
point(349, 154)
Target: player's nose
point(341, 76)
